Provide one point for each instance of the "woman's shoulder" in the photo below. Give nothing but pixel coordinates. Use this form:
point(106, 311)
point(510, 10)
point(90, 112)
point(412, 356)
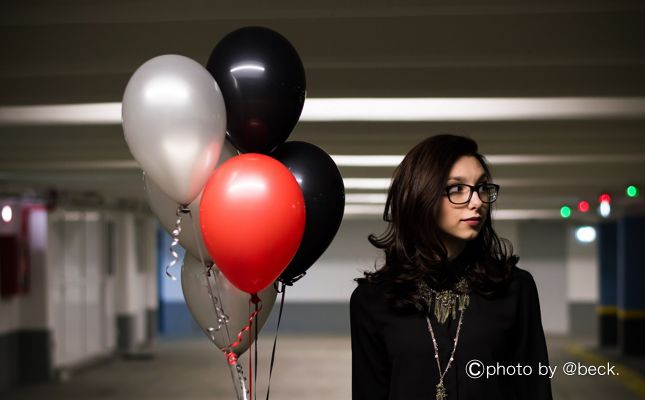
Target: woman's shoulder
point(523, 282)
point(367, 290)
point(522, 276)
point(368, 294)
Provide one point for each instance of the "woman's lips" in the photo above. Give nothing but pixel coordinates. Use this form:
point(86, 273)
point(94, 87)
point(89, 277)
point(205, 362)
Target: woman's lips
point(472, 221)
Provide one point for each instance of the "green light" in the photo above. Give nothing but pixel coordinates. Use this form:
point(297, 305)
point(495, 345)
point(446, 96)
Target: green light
point(632, 191)
point(565, 212)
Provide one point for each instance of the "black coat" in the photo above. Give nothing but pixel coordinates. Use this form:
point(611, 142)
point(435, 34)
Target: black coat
point(393, 356)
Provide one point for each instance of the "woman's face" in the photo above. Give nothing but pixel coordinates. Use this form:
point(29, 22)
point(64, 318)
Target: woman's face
point(454, 224)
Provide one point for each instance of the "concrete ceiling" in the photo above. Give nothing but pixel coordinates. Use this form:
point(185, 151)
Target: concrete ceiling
point(74, 52)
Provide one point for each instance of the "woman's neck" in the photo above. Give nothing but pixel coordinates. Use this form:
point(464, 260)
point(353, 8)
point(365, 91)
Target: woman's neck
point(455, 248)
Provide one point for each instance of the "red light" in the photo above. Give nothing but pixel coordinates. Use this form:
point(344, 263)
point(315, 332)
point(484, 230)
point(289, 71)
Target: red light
point(604, 198)
point(583, 206)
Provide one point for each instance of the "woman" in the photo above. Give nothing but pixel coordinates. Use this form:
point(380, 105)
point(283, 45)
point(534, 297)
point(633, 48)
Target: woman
point(450, 303)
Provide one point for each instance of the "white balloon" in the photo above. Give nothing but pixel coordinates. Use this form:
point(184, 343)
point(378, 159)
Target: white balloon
point(234, 302)
point(174, 122)
point(165, 208)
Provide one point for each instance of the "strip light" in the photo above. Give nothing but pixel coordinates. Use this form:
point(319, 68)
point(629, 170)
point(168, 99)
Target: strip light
point(501, 159)
point(498, 215)
point(373, 109)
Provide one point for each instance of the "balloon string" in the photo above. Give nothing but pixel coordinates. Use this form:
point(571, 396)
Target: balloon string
point(222, 318)
point(231, 357)
point(237, 372)
point(175, 241)
point(250, 355)
point(228, 350)
point(255, 346)
point(275, 341)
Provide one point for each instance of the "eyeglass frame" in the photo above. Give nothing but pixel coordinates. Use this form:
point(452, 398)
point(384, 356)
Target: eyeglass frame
point(472, 190)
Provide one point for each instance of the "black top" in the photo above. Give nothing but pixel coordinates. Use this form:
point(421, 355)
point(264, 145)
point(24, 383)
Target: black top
point(393, 356)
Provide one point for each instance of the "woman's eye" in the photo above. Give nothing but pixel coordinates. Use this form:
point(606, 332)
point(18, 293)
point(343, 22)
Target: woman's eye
point(456, 189)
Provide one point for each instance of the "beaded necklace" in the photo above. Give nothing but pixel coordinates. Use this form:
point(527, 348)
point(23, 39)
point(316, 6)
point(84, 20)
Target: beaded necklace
point(446, 303)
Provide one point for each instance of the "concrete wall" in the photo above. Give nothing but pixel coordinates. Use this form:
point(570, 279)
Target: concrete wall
point(86, 273)
point(564, 271)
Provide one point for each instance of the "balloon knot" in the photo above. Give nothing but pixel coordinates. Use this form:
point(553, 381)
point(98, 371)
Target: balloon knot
point(231, 358)
point(254, 298)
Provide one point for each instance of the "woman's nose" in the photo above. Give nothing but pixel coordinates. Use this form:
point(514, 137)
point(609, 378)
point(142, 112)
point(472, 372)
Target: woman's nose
point(475, 200)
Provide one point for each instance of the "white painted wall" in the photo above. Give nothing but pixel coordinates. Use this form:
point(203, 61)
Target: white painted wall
point(85, 298)
point(78, 303)
point(33, 311)
point(582, 269)
point(331, 278)
point(543, 254)
point(133, 283)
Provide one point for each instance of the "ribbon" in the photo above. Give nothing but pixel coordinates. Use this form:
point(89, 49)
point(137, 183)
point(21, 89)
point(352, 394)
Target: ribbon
point(175, 240)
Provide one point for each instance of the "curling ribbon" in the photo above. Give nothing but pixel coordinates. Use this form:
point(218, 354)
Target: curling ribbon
point(175, 240)
point(222, 318)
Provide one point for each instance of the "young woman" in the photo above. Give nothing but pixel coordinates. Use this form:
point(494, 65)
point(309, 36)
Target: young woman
point(449, 315)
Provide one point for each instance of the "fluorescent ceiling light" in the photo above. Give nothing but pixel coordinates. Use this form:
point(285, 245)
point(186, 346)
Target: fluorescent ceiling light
point(368, 198)
point(363, 209)
point(498, 215)
point(502, 159)
point(362, 161)
point(524, 214)
point(367, 183)
point(374, 109)
point(470, 109)
point(63, 114)
point(366, 161)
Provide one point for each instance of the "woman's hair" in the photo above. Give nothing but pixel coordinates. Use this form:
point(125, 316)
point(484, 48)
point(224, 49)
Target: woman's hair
point(412, 245)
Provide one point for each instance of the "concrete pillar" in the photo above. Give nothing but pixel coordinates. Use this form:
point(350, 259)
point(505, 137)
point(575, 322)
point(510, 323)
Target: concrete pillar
point(608, 269)
point(127, 282)
point(631, 279)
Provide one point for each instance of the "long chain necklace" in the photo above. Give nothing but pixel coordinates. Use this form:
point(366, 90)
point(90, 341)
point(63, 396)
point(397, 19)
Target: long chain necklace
point(441, 389)
point(446, 303)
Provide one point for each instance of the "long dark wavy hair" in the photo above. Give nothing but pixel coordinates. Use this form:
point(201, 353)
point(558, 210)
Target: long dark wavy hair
point(412, 245)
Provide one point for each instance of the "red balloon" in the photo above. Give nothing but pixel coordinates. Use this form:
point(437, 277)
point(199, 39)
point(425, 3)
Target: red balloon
point(252, 217)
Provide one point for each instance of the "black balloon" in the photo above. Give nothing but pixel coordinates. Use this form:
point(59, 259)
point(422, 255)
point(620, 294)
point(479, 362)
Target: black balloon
point(324, 193)
point(263, 83)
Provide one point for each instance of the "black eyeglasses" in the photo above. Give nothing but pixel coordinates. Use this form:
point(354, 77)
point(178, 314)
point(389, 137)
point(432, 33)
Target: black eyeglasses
point(461, 193)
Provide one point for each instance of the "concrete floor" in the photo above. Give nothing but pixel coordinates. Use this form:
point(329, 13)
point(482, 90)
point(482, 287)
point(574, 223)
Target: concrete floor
point(306, 368)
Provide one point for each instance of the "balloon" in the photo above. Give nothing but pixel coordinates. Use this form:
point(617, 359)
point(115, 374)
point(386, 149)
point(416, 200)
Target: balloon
point(252, 217)
point(174, 122)
point(234, 302)
point(324, 193)
point(165, 209)
point(263, 83)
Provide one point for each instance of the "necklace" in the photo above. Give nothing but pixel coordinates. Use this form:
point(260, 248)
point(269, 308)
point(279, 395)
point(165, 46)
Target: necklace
point(446, 302)
point(441, 390)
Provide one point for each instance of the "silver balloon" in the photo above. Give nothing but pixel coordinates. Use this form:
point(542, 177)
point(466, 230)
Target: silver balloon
point(234, 302)
point(174, 122)
point(165, 209)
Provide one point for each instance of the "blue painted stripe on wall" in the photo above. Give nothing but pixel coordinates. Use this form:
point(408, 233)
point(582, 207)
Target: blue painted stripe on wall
point(316, 318)
point(608, 257)
point(175, 321)
point(631, 264)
